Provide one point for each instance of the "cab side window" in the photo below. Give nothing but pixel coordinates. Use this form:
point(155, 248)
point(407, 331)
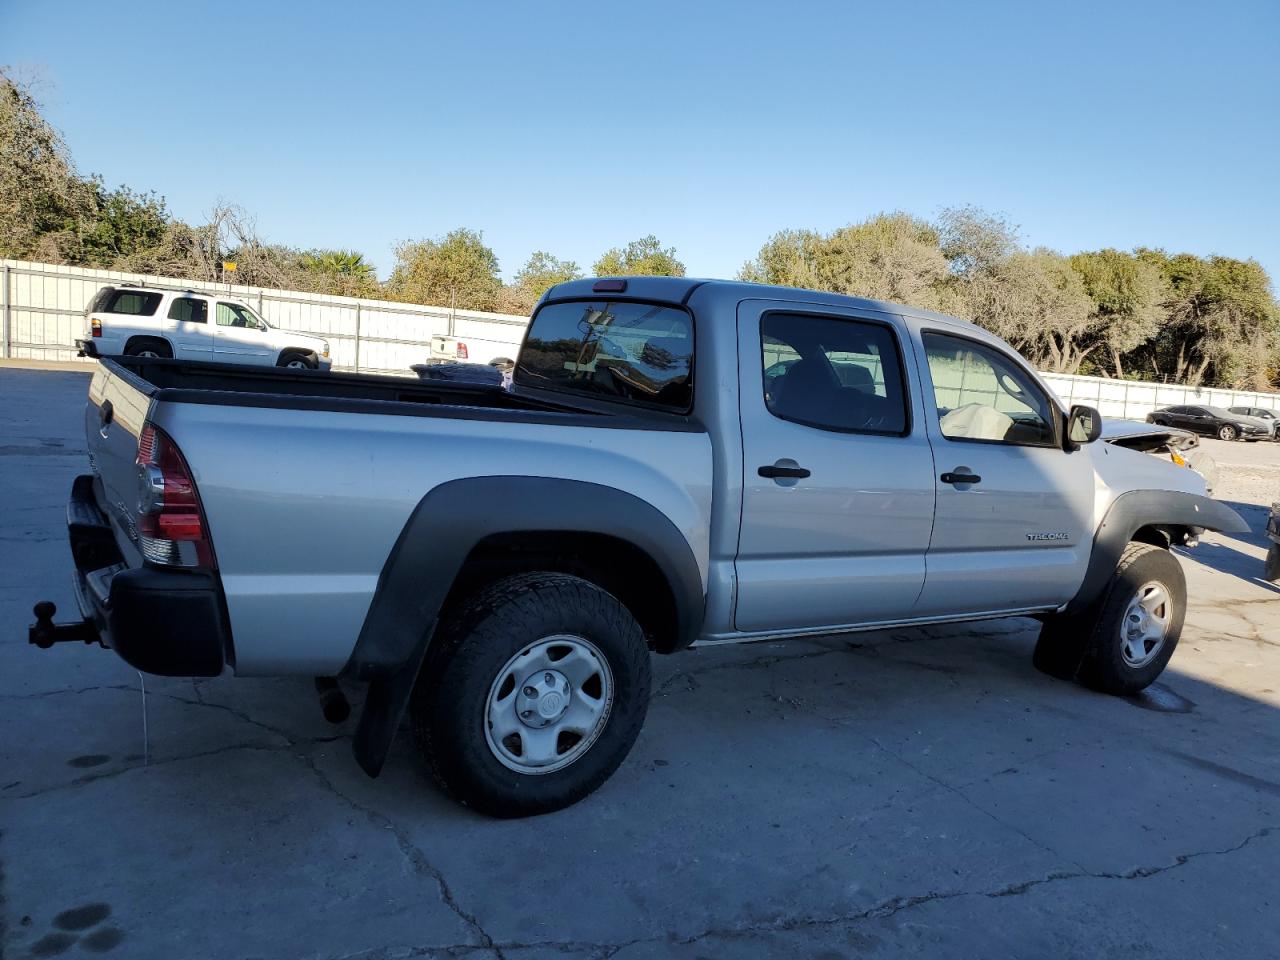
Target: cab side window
point(983, 396)
point(833, 373)
point(189, 310)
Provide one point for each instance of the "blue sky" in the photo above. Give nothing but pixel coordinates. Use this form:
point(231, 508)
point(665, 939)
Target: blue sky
point(573, 127)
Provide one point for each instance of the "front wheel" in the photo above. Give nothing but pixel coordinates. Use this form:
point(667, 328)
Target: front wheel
point(296, 361)
point(533, 694)
point(1139, 622)
point(1227, 432)
point(1123, 642)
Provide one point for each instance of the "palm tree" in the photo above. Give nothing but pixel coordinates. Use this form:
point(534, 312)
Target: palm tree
point(340, 263)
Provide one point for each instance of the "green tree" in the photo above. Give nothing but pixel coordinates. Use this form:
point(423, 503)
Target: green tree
point(789, 258)
point(1127, 293)
point(457, 270)
point(343, 273)
point(541, 272)
point(1037, 302)
point(1222, 322)
point(124, 223)
point(891, 256)
point(645, 257)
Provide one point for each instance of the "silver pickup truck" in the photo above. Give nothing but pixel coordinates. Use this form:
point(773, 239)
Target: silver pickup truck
point(676, 462)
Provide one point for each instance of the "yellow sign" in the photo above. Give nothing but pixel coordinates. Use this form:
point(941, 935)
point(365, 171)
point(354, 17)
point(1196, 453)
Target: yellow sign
point(228, 266)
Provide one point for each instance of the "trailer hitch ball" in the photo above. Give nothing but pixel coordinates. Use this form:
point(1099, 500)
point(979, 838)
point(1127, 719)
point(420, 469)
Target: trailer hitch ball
point(42, 632)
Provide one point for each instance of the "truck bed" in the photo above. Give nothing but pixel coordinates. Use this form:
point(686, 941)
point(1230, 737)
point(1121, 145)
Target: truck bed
point(307, 480)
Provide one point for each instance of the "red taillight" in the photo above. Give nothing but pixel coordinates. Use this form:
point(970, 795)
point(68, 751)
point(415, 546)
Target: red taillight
point(462, 350)
point(95, 326)
point(171, 525)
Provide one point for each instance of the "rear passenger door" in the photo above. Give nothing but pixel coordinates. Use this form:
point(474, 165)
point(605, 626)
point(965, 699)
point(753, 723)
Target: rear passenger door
point(239, 337)
point(190, 330)
point(1013, 527)
point(837, 473)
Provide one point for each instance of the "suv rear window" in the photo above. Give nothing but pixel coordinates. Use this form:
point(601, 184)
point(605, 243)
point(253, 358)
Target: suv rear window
point(635, 352)
point(135, 303)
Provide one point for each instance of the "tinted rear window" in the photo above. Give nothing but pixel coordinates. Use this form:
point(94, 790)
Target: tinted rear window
point(635, 352)
point(135, 303)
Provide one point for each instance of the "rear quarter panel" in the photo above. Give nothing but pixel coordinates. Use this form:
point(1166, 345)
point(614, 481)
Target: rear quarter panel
point(305, 506)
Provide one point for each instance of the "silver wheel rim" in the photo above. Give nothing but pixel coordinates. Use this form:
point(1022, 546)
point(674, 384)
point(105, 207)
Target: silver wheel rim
point(149, 353)
point(1226, 433)
point(548, 704)
point(1146, 624)
point(298, 364)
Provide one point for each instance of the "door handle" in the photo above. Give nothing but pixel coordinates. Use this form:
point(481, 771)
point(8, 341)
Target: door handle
point(775, 471)
point(960, 478)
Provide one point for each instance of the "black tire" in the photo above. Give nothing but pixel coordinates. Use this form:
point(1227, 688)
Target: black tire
point(293, 358)
point(475, 641)
point(1271, 566)
point(1104, 667)
point(1227, 432)
point(148, 347)
point(1088, 647)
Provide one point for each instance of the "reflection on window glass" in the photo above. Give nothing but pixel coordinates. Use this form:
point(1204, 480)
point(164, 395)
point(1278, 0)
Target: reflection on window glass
point(189, 310)
point(832, 373)
point(134, 303)
point(639, 352)
point(983, 395)
point(234, 315)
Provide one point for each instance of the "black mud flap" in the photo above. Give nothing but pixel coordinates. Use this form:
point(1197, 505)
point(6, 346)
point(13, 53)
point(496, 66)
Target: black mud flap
point(384, 707)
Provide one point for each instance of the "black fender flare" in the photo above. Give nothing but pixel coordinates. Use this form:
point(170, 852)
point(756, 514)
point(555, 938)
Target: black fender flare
point(1132, 511)
point(443, 529)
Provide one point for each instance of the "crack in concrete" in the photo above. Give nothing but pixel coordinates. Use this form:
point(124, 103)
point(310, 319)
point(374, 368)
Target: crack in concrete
point(412, 853)
point(883, 910)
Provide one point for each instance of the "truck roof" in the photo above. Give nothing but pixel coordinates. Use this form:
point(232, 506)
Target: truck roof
point(678, 290)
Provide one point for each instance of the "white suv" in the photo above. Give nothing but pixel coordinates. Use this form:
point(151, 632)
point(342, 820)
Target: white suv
point(144, 322)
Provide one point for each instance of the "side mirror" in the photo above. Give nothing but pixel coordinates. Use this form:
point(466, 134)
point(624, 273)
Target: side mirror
point(1084, 425)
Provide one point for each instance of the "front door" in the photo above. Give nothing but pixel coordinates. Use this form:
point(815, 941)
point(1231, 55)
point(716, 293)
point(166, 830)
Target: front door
point(1014, 519)
point(837, 474)
point(240, 336)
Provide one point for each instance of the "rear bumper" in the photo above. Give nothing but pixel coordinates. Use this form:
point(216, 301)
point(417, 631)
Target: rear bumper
point(86, 348)
point(172, 623)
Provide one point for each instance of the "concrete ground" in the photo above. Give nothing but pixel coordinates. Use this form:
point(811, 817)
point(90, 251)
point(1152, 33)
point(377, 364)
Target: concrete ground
point(921, 793)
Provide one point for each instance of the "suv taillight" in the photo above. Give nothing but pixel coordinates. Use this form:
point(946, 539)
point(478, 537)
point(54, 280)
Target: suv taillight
point(95, 325)
point(462, 350)
point(171, 526)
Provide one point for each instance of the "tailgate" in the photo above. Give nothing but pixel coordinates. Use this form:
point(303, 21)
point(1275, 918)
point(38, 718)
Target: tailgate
point(119, 401)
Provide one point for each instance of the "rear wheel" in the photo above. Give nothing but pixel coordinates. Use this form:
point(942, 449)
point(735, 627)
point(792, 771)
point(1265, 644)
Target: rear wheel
point(148, 347)
point(533, 694)
point(1227, 432)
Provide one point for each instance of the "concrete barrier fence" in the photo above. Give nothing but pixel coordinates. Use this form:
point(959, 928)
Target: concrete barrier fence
point(42, 313)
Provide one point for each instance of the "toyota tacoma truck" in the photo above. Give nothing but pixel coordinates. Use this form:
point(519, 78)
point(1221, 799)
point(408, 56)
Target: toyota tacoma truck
point(676, 462)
